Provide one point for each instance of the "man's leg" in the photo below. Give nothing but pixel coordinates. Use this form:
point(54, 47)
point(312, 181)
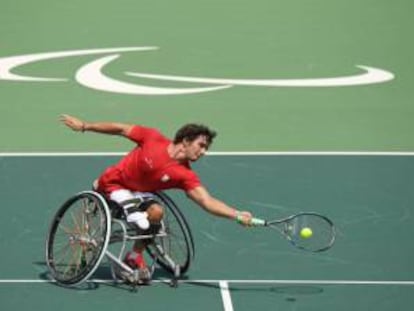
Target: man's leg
point(153, 212)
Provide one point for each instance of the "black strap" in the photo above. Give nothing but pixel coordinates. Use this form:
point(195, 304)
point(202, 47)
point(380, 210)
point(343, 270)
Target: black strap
point(137, 205)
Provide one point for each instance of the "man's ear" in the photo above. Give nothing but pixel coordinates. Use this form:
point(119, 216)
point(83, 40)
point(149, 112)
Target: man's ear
point(186, 141)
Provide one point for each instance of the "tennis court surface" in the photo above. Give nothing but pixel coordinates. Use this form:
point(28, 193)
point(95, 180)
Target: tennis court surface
point(235, 268)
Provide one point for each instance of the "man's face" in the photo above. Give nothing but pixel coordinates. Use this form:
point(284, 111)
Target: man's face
point(195, 149)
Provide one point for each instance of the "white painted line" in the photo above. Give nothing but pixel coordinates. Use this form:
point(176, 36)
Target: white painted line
point(61, 154)
point(322, 282)
point(217, 153)
point(25, 281)
point(224, 283)
point(311, 153)
point(225, 295)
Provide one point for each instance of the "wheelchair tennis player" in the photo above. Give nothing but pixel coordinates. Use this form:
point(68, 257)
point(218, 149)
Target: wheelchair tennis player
point(156, 163)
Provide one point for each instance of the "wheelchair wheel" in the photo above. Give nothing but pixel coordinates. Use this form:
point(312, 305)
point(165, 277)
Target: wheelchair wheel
point(176, 247)
point(78, 237)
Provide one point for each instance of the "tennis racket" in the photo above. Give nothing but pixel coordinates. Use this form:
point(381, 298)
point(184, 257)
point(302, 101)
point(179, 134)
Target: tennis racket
point(307, 231)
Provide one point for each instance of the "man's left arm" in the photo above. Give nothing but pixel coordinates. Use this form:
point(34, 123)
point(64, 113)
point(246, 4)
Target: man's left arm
point(202, 197)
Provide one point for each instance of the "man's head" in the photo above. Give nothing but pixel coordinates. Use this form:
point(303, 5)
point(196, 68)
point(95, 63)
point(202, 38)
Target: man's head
point(195, 138)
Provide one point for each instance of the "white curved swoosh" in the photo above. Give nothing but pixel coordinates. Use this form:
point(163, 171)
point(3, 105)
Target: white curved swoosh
point(90, 75)
point(9, 63)
point(372, 75)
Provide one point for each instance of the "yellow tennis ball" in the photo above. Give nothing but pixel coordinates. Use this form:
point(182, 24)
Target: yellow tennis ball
point(306, 233)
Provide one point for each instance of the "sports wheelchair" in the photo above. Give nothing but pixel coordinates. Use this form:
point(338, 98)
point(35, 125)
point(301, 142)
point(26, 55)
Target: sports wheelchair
point(87, 228)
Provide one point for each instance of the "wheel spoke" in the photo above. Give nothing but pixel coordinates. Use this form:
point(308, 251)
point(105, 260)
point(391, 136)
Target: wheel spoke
point(78, 238)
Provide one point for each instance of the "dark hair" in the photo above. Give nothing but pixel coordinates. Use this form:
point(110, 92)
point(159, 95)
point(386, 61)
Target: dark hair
point(191, 131)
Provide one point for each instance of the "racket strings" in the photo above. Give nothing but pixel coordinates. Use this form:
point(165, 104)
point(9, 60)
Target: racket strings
point(322, 236)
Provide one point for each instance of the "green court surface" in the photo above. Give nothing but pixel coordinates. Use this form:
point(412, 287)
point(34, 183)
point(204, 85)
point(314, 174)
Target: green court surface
point(265, 39)
point(369, 199)
point(284, 77)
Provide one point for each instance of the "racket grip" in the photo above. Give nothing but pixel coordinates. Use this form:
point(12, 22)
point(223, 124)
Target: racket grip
point(257, 222)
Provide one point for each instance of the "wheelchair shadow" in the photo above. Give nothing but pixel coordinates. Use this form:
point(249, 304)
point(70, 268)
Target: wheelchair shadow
point(45, 275)
point(101, 277)
point(290, 293)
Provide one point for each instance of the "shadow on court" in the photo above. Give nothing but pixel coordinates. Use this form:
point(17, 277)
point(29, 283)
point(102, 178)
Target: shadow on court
point(290, 292)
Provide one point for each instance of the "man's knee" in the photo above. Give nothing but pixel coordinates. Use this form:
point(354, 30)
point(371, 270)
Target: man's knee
point(155, 212)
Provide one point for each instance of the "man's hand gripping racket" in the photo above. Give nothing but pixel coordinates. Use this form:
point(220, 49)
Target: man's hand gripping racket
point(307, 231)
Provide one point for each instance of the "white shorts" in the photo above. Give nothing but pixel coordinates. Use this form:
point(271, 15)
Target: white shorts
point(123, 195)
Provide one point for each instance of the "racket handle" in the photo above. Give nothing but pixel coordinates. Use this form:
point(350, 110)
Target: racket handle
point(258, 222)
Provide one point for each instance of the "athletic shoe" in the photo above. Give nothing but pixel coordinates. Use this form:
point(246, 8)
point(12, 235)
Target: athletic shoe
point(136, 261)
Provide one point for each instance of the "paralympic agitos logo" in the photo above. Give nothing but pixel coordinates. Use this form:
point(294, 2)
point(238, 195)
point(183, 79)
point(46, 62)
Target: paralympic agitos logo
point(91, 75)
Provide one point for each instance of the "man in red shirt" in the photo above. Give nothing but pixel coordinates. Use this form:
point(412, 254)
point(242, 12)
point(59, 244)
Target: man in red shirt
point(155, 164)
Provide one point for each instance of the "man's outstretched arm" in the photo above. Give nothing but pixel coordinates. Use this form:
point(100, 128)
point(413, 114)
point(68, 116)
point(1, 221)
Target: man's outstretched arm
point(111, 128)
point(216, 207)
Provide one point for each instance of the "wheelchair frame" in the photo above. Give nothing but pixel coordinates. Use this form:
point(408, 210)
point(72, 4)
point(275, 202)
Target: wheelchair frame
point(85, 226)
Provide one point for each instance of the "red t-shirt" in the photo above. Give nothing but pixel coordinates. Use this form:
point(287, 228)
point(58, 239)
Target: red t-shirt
point(148, 167)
